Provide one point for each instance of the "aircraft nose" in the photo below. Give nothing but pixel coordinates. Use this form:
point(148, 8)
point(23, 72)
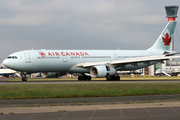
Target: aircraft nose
point(5, 63)
point(9, 63)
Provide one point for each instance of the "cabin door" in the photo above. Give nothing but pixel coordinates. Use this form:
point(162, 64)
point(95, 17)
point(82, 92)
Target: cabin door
point(27, 58)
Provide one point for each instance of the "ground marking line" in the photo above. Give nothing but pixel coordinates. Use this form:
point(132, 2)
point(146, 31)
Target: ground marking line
point(92, 114)
point(149, 113)
point(174, 110)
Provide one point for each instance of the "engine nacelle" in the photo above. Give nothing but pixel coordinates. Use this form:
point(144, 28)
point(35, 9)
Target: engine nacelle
point(102, 71)
point(52, 74)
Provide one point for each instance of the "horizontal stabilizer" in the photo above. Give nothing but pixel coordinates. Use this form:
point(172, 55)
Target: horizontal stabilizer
point(171, 54)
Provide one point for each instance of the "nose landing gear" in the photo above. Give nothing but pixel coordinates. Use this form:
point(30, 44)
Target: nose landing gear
point(24, 77)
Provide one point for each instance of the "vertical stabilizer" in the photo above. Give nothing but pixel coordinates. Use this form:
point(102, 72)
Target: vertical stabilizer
point(165, 39)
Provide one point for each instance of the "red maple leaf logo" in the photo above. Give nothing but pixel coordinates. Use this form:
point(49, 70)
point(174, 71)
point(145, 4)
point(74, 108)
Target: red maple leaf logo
point(166, 40)
point(42, 53)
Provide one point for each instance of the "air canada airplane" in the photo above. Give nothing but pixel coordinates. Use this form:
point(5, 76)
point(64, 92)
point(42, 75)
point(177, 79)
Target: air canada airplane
point(99, 63)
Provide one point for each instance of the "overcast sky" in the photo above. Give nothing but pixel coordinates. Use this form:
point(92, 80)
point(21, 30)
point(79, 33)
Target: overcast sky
point(82, 24)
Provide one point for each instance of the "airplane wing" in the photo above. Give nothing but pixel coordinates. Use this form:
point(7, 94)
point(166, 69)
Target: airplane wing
point(133, 61)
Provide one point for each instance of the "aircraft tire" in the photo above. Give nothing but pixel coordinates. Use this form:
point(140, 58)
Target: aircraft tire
point(89, 78)
point(84, 78)
point(24, 78)
point(80, 78)
point(117, 78)
point(113, 78)
point(108, 78)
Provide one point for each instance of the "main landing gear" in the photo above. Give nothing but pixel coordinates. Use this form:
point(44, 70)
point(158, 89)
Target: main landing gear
point(84, 78)
point(113, 78)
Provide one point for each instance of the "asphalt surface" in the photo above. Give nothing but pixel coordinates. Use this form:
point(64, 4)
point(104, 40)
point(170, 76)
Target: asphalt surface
point(94, 100)
point(151, 107)
point(4, 81)
point(169, 113)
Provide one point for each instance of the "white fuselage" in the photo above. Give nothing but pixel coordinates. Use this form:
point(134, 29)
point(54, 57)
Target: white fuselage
point(65, 60)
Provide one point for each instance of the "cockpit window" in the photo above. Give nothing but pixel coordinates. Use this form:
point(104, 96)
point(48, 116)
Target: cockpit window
point(12, 57)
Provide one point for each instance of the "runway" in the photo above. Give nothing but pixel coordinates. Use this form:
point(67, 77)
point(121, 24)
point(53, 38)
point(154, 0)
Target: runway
point(4, 81)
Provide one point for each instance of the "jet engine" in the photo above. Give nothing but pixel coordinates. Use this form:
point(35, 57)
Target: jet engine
point(102, 71)
point(52, 74)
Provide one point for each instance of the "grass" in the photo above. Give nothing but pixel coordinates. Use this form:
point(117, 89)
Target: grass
point(36, 91)
point(11, 113)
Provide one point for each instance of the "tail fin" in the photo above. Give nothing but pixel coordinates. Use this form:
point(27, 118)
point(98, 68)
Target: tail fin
point(164, 40)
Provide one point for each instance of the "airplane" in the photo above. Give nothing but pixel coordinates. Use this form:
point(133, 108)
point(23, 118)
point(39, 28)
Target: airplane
point(167, 72)
point(99, 63)
point(7, 72)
